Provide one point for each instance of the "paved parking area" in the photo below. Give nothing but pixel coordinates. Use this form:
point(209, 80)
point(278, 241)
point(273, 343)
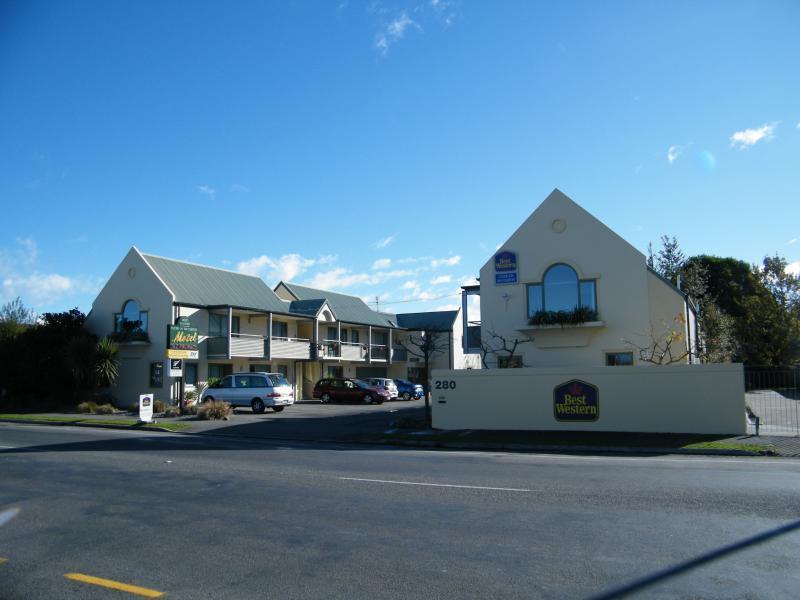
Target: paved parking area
point(314, 420)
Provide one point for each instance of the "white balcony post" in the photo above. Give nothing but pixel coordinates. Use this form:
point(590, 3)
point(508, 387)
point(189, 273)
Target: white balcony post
point(464, 322)
point(315, 340)
point(230, 325)
point(369, 344)
point(389, 348)
point(269, 337)
point(339, 337)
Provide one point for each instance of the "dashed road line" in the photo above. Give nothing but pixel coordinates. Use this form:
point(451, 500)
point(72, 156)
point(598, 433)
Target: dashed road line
point(3, 560)
point(115, 585)
point(444, 485)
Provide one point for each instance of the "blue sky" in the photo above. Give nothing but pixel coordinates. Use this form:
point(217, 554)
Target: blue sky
point(385, 148)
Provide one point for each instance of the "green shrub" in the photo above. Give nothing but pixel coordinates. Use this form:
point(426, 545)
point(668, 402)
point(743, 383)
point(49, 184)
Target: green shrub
point(190, 409)
point(104, 409)
point(134, 408)
point(87, 407)
point(214, 410)
point(563, 317)
point(159, 406)
point(172, 411)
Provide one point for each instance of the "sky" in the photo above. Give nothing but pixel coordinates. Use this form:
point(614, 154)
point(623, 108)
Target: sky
point(385, 149)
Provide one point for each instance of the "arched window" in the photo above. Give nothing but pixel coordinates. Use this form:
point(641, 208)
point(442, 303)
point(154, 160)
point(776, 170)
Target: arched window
point(131, 319)
point(561, 291)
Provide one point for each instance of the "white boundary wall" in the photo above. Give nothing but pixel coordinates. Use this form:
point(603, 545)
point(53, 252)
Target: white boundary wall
point(667, 399)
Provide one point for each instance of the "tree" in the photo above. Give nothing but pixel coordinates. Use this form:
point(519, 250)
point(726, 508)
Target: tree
point(426, 344)
point(106, 363)
point(669, 259)
point(15, 318)
point(667, 347)
point(504, 349)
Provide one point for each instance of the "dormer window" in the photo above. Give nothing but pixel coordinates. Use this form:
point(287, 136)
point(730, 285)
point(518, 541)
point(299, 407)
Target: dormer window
point(561, 291)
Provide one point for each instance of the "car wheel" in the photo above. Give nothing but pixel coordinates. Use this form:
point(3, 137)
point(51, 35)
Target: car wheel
point(277, 408)
point(406, 396)
point(378, 400)
point(258, 406)
point(367, 399)
point(325, 398)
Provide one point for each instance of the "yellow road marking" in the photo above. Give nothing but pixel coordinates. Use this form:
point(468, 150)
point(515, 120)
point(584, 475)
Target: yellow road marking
point(3, 560)
point(115, 585)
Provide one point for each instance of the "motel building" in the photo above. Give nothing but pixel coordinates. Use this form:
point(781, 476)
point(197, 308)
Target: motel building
point(243, 326)
point(562, 259)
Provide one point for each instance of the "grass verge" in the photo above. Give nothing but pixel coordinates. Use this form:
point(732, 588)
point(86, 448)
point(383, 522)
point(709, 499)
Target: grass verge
point(572, 439)
point(81, 420)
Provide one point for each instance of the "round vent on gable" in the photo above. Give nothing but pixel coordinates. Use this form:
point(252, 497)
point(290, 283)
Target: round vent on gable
point(558, 225)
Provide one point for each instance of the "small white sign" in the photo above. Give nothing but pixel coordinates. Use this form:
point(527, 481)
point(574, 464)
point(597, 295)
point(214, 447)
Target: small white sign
point(175, 367)
point(146, 408)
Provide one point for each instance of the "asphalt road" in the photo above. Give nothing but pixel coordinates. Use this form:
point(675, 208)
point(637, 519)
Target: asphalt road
point(200, 517)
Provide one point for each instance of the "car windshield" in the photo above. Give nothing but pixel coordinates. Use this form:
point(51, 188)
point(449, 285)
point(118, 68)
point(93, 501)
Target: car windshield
point(278, 380)
point(362, 384)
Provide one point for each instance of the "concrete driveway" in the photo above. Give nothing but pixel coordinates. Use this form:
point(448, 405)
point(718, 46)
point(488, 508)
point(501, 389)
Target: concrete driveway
point(312, 420)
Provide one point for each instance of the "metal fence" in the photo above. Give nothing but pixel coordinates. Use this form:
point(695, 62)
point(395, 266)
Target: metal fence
point(772, 396)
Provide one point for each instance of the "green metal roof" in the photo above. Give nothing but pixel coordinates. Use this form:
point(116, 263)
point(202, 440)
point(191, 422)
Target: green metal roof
point(437, 320)
point(307, 307)
point(200, 285)
point(350, 309)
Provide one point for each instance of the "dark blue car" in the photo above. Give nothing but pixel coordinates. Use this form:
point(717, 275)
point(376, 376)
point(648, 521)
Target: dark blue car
point(407, 390)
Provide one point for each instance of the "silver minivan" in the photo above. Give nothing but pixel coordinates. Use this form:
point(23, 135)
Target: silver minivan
point(389, 384)
point(256, 390)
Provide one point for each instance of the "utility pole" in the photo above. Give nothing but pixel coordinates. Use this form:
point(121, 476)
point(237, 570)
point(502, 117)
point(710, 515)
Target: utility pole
point(377, 304)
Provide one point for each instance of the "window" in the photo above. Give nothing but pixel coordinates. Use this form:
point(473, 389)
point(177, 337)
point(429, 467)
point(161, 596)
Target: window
point(218, 370)
point(243, 381)
point(283, 370)
point(619, 359)
point(335, 372)
point(331, 333)
point(354, 337)
point(259, 368)
point(509, 362)
point(344, 335)
point(561, 290)
point(217, 325)
point(235, 321)
point(226, 382)
point(131, 319)
point(280, 329)
point(190, 373)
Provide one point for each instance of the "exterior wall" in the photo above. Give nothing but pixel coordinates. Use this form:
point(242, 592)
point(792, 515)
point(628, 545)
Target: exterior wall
point(668, 313)
point(595, 252)
point(460, 359)
point(136, 357)
point(679, 399)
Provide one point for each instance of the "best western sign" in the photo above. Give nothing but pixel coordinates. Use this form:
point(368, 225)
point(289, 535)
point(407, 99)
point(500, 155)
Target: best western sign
point(182, 340)
point(576, 400)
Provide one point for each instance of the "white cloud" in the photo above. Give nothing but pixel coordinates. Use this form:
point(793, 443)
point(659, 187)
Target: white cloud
point(793, 268)
point(448, 262)
point(385, 241)
point(441, 279)
point(47, 288)
point(206, 190)
point(673, 153)
point(792, 241)
point(29, 251)
point(394, 32)
point(410, 285)
point(238, 187)
point(341, 278)
point(749, 137)
point(286, 267)
point(469, 281)
point(448, 307)
point(382, 263)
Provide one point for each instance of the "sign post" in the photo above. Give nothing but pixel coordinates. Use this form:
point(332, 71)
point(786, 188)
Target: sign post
point(182, 342)
point(146, 408)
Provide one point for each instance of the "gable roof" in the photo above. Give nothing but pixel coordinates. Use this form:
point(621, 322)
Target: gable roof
point(350, 309)
point(437, 320)
point(307, 307)
point(200, 285)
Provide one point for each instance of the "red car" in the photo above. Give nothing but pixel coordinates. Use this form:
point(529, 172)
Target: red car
point(349, 390)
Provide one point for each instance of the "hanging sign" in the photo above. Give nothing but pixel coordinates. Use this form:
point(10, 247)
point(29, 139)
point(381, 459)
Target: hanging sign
point(175, 367)
point(576, 401)
point(146, 408)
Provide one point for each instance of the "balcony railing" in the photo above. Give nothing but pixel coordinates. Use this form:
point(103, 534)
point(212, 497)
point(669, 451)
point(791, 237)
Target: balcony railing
point(380, 352)
point(353, 351)
point(399, 354)
point(285, 347)
point(330, 349)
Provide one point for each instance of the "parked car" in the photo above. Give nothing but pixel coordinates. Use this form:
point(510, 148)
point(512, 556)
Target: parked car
point(408, 390)
point(387, 383)
point(349, 390)
point(256, 390)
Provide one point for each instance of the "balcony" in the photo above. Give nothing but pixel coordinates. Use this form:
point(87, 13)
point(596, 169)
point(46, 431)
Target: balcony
point(242, 346)
point(353, 351)
point(380, 353)
point(285, 347)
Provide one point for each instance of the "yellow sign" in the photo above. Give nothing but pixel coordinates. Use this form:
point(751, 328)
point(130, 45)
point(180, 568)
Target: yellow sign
point(191, 354)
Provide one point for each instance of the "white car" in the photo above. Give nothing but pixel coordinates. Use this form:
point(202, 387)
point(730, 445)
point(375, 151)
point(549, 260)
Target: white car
point(389, 384)
point(256, 390)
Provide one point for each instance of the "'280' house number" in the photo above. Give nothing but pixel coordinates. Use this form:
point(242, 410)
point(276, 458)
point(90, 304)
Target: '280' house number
point(444, 385)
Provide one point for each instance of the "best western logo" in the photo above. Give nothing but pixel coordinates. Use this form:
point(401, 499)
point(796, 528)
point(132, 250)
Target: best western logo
point(576, 401)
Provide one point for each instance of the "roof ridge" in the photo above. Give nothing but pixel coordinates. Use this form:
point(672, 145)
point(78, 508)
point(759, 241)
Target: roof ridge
point(194, 264)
